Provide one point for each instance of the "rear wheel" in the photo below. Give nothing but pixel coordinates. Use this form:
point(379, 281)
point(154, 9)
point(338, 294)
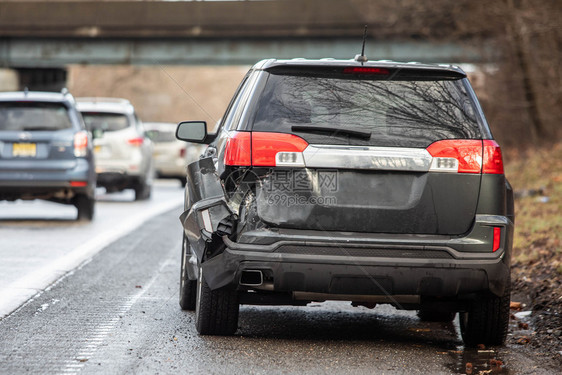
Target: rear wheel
point(486, 320)
point(436, 316)
point(85, 206)
point(142, 191)
point(188, 288)
point(216, 311)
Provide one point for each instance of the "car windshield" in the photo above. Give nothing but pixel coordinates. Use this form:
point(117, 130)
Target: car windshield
point(394, 113)
point(105, 122)
point(33, 116)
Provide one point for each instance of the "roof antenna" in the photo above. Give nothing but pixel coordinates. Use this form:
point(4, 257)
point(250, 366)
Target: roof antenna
point(362, 58)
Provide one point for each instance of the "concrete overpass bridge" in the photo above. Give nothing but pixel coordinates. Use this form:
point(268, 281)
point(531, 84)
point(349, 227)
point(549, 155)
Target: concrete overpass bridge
point(56, 33)
point(39, 38)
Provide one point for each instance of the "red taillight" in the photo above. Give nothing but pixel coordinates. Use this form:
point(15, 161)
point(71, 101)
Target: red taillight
point(265, 146)
point(260, 149)
point(78, 183)
point(137, 142)
point(493, 162)
point(238, 149)
point(467, 152)
point(365, 70)
point(182, 152)
point(80, 144)
point(497, 238)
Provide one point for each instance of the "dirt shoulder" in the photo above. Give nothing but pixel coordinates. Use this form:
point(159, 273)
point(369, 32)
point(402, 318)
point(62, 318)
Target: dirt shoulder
point(536, 176)
point(540, 292)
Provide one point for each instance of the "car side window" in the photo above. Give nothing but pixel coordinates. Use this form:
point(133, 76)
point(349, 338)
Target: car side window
point(232, 114)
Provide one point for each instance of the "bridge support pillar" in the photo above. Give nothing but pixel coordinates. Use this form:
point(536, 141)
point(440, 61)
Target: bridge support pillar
point(9, 80)
point(42, 79)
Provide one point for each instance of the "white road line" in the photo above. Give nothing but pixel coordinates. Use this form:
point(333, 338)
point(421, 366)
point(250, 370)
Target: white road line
point(21, 290)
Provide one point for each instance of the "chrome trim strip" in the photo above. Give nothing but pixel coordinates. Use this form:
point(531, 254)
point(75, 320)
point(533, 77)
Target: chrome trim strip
point(364, 157)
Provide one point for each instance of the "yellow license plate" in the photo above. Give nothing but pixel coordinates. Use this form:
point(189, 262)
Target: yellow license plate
point(24, 149)
point(97, 149)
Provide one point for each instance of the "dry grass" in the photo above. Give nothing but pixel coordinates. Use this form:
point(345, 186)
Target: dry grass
point(538, 216)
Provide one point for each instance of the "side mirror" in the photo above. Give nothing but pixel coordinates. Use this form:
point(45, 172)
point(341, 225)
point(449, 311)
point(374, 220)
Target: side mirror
point(194, 131)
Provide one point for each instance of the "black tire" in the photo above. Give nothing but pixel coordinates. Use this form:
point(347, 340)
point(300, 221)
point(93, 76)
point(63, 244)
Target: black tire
point(486, 321)
point(216, 311)
point(142, 191)
point(436, 316)
point(183, 181)
point(85, 206)
point(188, 288)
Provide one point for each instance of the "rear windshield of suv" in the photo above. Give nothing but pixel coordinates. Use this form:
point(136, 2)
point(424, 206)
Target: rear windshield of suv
point(400, 113)
point(105, 122)
point(33, 116)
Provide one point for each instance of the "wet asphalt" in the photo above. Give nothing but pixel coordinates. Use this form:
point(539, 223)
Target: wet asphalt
point(119, 314)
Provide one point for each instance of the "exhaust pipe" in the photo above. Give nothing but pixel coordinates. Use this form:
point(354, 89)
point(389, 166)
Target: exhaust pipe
point(251, 278)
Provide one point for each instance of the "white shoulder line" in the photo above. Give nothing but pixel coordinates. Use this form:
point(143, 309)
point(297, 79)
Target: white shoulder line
point(21, 290)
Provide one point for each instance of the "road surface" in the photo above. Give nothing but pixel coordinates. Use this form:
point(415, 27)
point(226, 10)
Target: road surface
point(118, 313)
point(41, 241)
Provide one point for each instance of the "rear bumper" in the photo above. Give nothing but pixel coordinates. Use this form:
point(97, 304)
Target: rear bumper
point(45, 183)
point(369, 264)
point(170, 173)
point(134, 164)
point(117, 180)
point(169, 167)
point(119, 174)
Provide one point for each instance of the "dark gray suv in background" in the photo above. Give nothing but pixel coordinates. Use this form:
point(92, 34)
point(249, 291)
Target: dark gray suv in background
point(45, 151)
point(375, 182)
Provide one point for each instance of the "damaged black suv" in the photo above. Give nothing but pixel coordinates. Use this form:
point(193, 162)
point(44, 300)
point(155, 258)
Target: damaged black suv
point(373, 182)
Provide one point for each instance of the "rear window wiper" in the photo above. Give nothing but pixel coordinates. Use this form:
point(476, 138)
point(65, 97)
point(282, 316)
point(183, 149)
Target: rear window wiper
point(40, 128)
point(331, 131)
